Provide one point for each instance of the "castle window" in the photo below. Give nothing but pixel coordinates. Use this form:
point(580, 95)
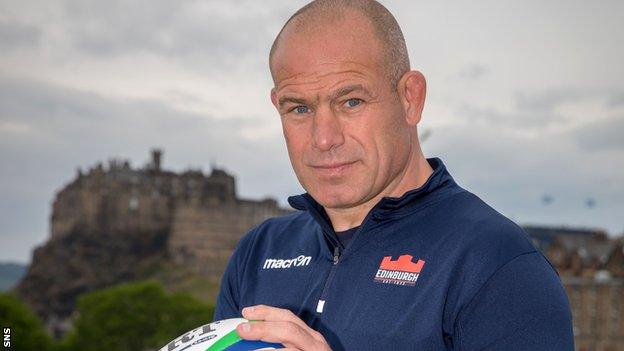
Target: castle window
point(133, 203)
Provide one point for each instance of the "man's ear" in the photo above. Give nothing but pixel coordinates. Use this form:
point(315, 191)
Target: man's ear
point(412, 90)
point(274, 98)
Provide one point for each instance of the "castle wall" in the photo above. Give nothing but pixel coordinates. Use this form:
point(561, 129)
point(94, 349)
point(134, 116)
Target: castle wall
point(105, 202)
point(203, 238)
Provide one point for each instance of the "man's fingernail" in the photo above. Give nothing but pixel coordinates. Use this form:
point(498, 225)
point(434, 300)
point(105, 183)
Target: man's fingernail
point(248, 309)
point(246, 327)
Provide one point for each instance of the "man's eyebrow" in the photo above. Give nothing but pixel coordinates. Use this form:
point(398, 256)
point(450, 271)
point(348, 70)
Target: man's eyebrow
point(289, 99)
point(349, 89)
point(335, 95)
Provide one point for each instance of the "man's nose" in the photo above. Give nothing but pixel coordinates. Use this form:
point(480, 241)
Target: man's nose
point(327, 129)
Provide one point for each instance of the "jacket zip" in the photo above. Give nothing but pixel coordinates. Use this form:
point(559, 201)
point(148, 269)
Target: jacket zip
point(321, 302)
point(336, 259)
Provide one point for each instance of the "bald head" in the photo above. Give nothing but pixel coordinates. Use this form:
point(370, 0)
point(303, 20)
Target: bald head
point(322, 13)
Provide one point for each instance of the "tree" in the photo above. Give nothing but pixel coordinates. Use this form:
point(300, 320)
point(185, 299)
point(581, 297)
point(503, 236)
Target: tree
point(133, 317)
point(26, 330)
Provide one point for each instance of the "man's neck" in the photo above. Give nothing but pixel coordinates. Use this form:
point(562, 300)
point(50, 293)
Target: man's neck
point(413, 176)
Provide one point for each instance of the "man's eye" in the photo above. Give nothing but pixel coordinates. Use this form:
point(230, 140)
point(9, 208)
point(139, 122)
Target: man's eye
point(353, 102)
point(301, 109)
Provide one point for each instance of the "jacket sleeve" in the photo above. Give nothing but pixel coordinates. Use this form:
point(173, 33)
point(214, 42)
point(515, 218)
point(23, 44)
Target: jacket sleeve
point(228, 300)
point(522, 306)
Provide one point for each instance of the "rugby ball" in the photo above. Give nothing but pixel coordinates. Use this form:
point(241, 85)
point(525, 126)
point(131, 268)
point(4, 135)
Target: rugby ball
point(217, 336)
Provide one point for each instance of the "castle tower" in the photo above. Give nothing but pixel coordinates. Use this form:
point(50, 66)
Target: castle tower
point(156, 158)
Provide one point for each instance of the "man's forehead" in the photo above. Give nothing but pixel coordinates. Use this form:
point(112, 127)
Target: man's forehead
point(314, 61)
point(331, 78)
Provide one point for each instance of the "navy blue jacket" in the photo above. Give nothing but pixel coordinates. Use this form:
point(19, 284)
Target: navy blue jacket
point(436, 269)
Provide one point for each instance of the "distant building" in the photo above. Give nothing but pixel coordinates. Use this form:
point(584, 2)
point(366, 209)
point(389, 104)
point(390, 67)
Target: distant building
point(591, 267)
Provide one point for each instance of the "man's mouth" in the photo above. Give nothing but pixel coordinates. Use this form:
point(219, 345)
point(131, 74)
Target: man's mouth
point(333, 169)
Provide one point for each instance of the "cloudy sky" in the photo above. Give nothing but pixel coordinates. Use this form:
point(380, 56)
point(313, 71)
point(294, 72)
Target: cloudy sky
point(525, 98)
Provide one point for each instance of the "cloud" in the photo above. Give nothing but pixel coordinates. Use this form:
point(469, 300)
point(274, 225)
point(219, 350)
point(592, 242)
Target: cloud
point(16, 35)
point(606, 134)
point(207, 32)
point(72, 127)
point(511, 118)
point(65, 113)
point(205, 36)
point(616, 99)
point(540, 110)
point(473, 71)
point(547, 101)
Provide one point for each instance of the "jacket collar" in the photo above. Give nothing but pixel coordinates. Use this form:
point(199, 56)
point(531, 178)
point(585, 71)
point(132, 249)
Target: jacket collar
point(388, 207)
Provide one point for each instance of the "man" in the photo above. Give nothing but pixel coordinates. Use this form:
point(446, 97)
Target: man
point(387, 252)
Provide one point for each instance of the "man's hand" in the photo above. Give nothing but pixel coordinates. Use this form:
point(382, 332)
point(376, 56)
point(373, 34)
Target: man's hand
point(272, 324)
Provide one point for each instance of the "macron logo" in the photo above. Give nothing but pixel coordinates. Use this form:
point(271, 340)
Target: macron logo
point(298, 261)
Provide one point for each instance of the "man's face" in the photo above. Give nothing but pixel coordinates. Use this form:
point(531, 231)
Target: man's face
point(343, 122)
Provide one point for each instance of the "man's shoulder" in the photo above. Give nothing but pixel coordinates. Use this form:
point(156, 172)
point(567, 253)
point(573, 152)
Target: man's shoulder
point(479, 243)
point(480, 237)
point(474, 219)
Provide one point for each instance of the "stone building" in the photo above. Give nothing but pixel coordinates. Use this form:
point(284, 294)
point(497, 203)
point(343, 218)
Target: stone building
point(591, 267)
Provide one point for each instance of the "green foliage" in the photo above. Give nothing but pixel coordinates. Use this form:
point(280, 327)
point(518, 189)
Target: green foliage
point(179, 278)
point(133, 317)
point(27, 333)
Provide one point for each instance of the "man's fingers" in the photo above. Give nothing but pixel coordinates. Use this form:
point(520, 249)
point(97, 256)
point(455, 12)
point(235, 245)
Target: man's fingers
point(264, 312)
point(271, 314)
point(274, 314)
point(287, 333)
